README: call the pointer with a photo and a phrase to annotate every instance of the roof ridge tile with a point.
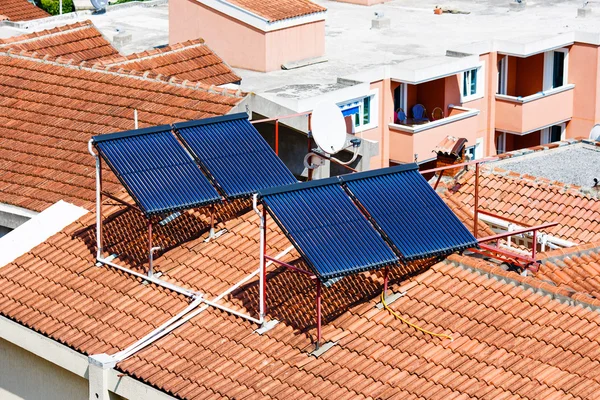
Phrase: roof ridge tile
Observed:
(99, 67)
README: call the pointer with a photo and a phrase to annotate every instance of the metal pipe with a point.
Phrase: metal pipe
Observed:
(277, 136)
(507, 253)
(293, 268)
(282, 117)
(476, 211)
(98, 200)
(489, 214)
(534, 245)
(211, 234)
(150, 257)
(159, 282)
(517, 232)
(262, 268)
(318, 301)
(438, 180)
(230, 311)
(151, 269)
(385, 281)
(135, 118)
(481, 160)
(118, 200)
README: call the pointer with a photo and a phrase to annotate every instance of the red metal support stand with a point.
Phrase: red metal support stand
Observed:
(318, 301)
(476, 210)
(534, 245)
(386, 276)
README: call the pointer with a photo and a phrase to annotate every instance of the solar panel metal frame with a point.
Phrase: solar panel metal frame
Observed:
(352, 179)
(327, 277)
(218, 175)
(99, 141)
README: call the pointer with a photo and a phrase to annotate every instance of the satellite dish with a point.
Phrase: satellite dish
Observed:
(328, 127)
(595, 133)
(99, 4)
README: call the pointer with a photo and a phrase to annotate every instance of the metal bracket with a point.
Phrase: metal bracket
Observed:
(109, 258)
(214, 235)
(322, 349)
(390, 299)
(266, 326)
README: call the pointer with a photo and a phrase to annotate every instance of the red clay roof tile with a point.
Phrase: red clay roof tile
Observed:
(192, 61)
(43, 146)
(21, 10)
(78, 42)
(277, 10)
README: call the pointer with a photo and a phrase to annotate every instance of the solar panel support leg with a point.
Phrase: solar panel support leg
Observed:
(262, 275)
(99, 244)
(386, 275)
(212, 223)
(318, 315)
(150, 250)
(476, 210)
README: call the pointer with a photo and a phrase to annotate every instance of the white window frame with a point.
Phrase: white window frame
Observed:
(549, 68)
(476, 150)
(546, 132)
(503, 76)
(501, 143)
(374, 112)
(480, 85)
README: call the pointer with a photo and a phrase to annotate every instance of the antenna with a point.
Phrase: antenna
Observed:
(595, 133)
(99, 5)
(328, 127)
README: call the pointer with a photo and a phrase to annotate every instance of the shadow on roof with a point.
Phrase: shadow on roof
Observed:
(126, 230)
(291, 296)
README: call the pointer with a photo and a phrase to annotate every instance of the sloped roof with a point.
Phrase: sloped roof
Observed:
(533, 201)
(514, 337)
(49, 109)
(277, 10)
(191, 60)
(450, 145)
(574, 268)
(21, 10)
(80, 41)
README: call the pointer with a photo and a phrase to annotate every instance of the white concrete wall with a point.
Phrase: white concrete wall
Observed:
(23, 375)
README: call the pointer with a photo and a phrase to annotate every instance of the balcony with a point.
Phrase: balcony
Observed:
(420, 139)
(522, 115)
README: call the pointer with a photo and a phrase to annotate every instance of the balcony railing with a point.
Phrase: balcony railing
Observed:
(408, 140)
(523, 115)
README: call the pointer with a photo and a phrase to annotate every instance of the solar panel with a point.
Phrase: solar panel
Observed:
(156, 170)
(327, 228)
(406, 209)
(234, 154)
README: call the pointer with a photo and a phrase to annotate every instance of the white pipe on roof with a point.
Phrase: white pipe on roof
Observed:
(548, 239)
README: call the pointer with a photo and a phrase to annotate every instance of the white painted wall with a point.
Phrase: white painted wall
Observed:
(25, 376)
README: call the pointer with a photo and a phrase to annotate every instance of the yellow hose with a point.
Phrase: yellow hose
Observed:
(442, 335)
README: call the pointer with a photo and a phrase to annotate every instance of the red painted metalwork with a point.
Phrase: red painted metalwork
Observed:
(438, 180)
(534, 245)
(318, 301)
(293, 268)
(476, 208)
(386, 275)
(474, 162)
(508, 253)
(512, 221)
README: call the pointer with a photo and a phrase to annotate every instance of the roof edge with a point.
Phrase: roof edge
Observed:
(536, 285)
(379, 172)
(131, 133)
(211, 120)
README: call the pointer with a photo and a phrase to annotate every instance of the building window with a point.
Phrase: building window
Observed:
(501, 143)
(362, 111)
(472, 84)
(556, 68)
(555, 133)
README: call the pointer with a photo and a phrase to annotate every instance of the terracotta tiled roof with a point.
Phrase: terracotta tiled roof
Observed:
(514, 337)
(574, 268)
(21, 10)
(450, 145)
(277, 10)
(533, 201)
(80, 41)
(191, 60)
(49, 110)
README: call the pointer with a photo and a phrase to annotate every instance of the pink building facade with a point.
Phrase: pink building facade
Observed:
(244, 38)
(500, 96)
